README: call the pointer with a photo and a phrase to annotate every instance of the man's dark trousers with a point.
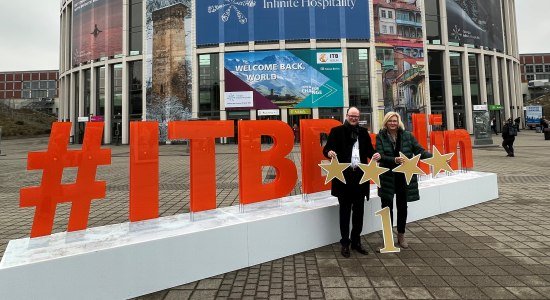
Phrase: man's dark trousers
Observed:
(353, 206)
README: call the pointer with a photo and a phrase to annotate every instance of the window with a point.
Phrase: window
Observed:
(437, 83)
(358, 79)
(530, 77)
(474, 79)
(529, 69)
(384, 29)
(135, 84)
(383, 13)
(209, 86)
(390, 14)
(457, 89)
(489, 80)
(539, 69)
(100, 91)
(136, 39)
(391, 30)
(546, 68)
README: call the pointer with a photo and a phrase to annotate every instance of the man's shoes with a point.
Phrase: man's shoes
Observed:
(345, 251)
(359, 248)
(509, 155)
(401, 241)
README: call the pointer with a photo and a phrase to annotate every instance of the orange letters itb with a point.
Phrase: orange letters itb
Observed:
(203, 159)
(252, 159)
(144, 171)
(312, 153)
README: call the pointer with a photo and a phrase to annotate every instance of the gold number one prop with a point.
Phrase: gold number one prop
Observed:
(389, 246)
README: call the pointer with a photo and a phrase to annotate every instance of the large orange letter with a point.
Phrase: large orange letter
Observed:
(252, 159)
(312, 153)
(203, 157)
(455, 138)
(144, 171)
(420, 132)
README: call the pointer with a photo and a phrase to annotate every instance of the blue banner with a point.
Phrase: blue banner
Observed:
(231, 21)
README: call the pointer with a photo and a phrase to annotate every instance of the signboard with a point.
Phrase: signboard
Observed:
(83, 119)
(475, 22)
(299, 111)
(289, 78)
(268, 112)
(229, 21)
(96, 118)
(495, 107)
(238, 99)
(97, 29)
(400, 53)
(533, 115)
(480, 107)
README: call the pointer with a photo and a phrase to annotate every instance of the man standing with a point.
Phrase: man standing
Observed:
(509, 133)
(351, 143)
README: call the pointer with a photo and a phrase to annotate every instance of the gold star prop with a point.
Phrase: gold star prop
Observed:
(409, 167)
(439, 161)
(335, 170)
(372, 172)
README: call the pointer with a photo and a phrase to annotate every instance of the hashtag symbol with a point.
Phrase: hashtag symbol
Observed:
(51, 191)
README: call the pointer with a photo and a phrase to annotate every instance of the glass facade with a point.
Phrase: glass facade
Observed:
(437, 83)
(136, 91)
(433, 26)
(135, 27)
(474, 79)
(458, 89)
(87, 92)
(489, 81)
(116, 92)
(209, 86)
(358, 79)
(100, 91)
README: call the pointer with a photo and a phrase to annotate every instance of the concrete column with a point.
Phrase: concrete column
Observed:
(345, 77)
(107, 136)
(315, 113)
(443, 20)
(467, 92)
(80, 93)
(72, 110)
(125, 104)
(448, 91)
(377, 109)
(505, 89)
(284, 115)
(513, 94)
(252, 114)
(222, 81)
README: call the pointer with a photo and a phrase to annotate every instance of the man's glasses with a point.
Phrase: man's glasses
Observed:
(353, 117)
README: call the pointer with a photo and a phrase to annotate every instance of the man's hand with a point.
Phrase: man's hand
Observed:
(376, 157)
(331, 154)
(399, 160)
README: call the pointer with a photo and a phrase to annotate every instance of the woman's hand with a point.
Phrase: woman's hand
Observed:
(331, 154)
(399, 160)
(376, 157)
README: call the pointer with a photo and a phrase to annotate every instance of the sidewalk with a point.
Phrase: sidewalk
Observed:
(499, 249)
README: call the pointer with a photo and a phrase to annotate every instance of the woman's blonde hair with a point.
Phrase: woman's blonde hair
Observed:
(388, 116)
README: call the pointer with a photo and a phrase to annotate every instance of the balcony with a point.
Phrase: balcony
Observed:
(408, 23)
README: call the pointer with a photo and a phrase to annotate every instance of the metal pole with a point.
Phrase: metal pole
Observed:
(1, 142)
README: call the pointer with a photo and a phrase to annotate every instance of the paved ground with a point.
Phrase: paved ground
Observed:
(499, 249)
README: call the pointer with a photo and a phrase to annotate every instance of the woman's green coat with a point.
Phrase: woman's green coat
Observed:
(410, 147)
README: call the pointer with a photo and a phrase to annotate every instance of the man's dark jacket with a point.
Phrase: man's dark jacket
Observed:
(340, 140)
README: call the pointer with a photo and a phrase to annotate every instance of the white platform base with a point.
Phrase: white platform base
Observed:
(132, 259)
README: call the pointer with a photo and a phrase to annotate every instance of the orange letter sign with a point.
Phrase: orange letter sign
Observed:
(203, 157)
(312, 153)
(144, 171)
(252, 159)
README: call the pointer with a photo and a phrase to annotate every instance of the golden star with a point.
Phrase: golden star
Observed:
(335, 170)
(409, 167)
(439, 161)
(372, 172)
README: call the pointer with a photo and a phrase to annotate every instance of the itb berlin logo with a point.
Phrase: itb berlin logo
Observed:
(232, 5)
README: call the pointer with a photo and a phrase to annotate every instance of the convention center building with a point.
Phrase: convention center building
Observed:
(137, 60)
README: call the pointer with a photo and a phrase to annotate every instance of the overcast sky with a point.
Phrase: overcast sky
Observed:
(29, 32)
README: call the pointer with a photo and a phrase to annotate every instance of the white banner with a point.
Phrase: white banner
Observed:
(239, 99)
(268, 112)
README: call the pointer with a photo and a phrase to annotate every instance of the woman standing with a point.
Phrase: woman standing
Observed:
(391, 140)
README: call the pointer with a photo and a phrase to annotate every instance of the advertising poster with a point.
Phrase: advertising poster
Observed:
(475, 22)
(400, 57)
(168, 61)
(230, 21)
(283, 79)
(97, 29)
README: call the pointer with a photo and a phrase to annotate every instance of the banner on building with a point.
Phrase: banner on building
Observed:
(97, 29)
(291, 78)
(400, 57)
(229, 21)
(168, 72)
(475, 22)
